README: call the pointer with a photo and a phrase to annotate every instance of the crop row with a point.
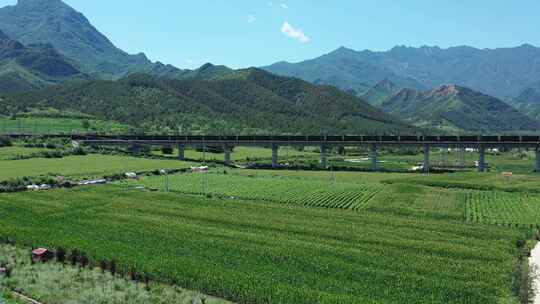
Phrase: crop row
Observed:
(270, 253)
(503, 208)
(283, 190)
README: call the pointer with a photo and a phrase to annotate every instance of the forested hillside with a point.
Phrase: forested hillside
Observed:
(455, 108)
(248, 101)
(33, 66)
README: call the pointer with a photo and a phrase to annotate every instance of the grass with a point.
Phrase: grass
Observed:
(246, 155)
(422, 201)
(63, 284)
(46, 125)
(88, 166)
(276, 253)
(7, 153)
(328, 176)
(477, 181)
(303, 192)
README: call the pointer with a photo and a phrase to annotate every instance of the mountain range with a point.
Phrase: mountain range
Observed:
(68, 31)
(452, 108)
(47, 45)
(503, 72)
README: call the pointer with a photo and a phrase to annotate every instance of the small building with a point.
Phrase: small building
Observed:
(42, 255)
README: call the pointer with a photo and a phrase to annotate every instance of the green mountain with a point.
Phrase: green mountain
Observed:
(54, 22)
(503, 72)
(452, 107)
(381, 92)
(343, 69)
(33, 66)
(528, 101)
(253, 101)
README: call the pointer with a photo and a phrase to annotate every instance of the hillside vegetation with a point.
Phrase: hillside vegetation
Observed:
(33, 66)
(457, 108)
(247, 101)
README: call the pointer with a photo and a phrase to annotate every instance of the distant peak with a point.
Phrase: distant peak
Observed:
(343, 49)
(206, 66)
(527, 46)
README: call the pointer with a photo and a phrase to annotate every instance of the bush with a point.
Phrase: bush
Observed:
(167, 150)
(60, 255)
(5, 141)
(79, 151)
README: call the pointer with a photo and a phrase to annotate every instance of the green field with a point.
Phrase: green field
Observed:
(503, 208)
(328, 176)
(272, 189)
(246, 155)
(273, 253)
(261, 236)
(478, 181)
(46, 125)
(7, 153)
(88, 166)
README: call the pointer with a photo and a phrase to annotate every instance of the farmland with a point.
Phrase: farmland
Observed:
(7, 153)
(477, 181)
(284, 236)
(502, 208)
(308, 193)
(64, 283)
(237, 249)
(87, 166)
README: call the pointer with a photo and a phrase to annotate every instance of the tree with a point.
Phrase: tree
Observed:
(86, 124)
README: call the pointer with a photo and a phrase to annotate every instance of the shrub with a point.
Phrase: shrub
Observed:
(60, 254)
(5, 141)
(74, 257)
(167, 150)
(79, 151)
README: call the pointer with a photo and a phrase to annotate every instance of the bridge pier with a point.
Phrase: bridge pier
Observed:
(324, 161)
(461, 157)
(537, 151)
(427, 164)
(482, 159)
(275, 149)
(227, 159)
(374, 157)
(181, 152)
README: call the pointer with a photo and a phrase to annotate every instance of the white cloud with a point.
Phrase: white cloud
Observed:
(294, 33)
(251, 19)
(190, 61)
(284, 6)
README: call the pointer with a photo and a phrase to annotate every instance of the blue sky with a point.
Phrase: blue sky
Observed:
(242, 33)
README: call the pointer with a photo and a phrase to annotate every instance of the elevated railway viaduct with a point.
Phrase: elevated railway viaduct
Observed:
(374, 142)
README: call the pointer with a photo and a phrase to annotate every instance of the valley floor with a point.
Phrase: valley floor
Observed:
(263, 236)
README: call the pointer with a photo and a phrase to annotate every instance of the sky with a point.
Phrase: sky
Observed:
(244, 33)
